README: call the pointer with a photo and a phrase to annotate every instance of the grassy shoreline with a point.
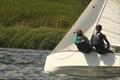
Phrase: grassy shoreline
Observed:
(37, 24)
(31, 38)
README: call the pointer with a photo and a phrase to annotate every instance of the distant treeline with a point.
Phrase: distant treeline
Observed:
(37, 24)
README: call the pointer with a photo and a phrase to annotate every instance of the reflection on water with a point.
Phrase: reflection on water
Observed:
(22, 64)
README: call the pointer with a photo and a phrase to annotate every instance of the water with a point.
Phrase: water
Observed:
(27, 64)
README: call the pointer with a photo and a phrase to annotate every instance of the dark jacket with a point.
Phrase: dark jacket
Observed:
(100, 42)
(83, 44)
(99, 39)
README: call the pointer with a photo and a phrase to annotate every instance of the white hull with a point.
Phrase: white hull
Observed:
(79, 64)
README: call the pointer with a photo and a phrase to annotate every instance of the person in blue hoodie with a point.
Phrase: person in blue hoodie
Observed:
(82, 42)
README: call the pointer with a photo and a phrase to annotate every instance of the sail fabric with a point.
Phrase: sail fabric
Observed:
(85, 21)
(94, 14)
(110, 20)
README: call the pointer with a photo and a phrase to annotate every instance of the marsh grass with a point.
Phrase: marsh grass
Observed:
(37, 13)
(37, 24)
(35, 38)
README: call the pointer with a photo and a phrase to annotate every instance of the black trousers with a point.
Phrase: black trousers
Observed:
(84, 47)
(102, 50)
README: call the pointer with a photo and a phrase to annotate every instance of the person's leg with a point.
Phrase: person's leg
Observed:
(108, 50)
(88, 48)
(80, 47)
(100, 49)
(84, 48)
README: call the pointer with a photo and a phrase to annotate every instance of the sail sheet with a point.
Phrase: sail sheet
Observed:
(98, 11)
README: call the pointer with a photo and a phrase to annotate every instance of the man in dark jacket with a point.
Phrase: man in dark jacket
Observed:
(100, 41)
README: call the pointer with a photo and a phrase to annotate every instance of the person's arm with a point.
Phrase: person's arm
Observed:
(75, 40)
(106, 40)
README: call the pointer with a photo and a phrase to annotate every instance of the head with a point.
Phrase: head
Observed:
(79, 32)
(98, 28)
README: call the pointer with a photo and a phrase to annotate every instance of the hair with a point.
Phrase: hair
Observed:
(80, 32)
(99, 27)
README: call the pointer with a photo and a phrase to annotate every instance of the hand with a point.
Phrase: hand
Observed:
(107, 46)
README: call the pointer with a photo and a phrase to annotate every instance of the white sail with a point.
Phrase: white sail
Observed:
(110, 20)
(65, 58)
(87, 20)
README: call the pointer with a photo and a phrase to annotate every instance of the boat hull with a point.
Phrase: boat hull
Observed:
(78, 64)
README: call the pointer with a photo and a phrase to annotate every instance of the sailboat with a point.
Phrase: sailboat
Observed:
(66, 59)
